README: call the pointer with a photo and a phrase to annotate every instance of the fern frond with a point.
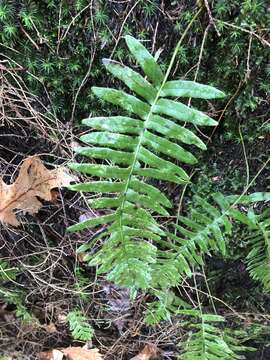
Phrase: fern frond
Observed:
(16, 297)
(204, 231)
(258, 259)
(166, 303)
(137, 147)
(79, 326)
(207, 341)
(198, 234)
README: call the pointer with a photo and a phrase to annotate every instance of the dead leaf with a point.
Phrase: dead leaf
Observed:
(119, 305)
(34, 180)
(71, 353)
(57, 355)
(148, 352)
(50, 328)
(45, 355)
(78, 353)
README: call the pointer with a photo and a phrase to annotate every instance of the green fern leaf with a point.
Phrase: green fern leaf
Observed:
(79, 326)
(206, 341)
(258, 259)
(137, 147)
(204, 231)
(166, 304)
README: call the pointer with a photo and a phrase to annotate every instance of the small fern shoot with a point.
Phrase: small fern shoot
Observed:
(79, 326)
(137, 147)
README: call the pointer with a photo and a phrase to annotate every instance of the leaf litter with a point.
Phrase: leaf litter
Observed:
(71, 353)
(34, 182)
(149, 352)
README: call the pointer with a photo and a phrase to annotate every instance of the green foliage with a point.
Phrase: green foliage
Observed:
(205, 231)
(7, 272)
(167, 303)
(138, 148)
(258, 259)
(237, 60)
(79, 326)
(16, 297)
(224, 57)
(207, 341)
(13, 295)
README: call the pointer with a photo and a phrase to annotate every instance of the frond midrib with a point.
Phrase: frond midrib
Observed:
(136, 153)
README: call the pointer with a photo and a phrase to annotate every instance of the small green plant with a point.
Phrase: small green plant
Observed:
(79, 326)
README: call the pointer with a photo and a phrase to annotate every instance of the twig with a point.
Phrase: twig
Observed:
(59, 28)
(245, 155)
(29, 37)
(211, 19)
(155, 36)
(247, 76)
(226, 107)
(122, 27)
(82, 84)
(262, 40)
(73, 21)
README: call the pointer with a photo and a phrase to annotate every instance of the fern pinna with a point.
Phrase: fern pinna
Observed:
(135, 150)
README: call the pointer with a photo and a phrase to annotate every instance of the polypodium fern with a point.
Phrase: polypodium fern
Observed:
(258, 259)
(258, 240)
(207, 341)
(136, 150)
(167, 303)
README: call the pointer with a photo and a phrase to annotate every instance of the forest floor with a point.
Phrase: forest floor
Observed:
(46, 255)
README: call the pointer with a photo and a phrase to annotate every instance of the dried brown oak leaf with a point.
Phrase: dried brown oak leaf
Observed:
(34, 181)
(71, 353)
(148, 352)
